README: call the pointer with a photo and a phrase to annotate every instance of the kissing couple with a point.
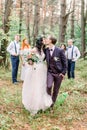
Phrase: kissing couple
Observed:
(43, 78)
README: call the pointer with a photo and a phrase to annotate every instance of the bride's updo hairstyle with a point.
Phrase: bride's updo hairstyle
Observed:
(39, 44)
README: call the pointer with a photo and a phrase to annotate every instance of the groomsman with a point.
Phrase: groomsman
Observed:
(73, 54)
(14, 50)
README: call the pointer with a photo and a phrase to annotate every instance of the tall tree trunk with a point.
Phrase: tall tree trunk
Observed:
(20, 22)
(72, 20)
(62, 24)
(51, 17)
(36, 20)
(82, 28)
(44, 8)
(28, 23)
(6, 27)
(1, 7)
(29, 15)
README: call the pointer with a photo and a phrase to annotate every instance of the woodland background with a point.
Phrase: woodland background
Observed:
(30, 18)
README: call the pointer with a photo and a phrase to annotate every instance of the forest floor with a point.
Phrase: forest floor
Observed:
(69, 113)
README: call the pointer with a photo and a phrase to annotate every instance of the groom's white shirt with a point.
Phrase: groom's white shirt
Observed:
(53, 48)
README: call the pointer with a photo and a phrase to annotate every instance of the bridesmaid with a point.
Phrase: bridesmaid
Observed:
(63, 46)
(25, 49)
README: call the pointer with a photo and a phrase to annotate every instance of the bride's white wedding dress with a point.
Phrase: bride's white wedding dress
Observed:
(34, 95)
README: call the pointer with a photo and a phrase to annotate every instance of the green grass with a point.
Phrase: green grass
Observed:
(70, 107)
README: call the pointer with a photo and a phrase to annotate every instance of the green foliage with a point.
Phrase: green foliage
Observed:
(2, 37)
(77, 34)
(1, 57)
(71, 102)
(14, 26)
(82, 64)
(69, 107)
(61, 98)
(5, 122)
(5, 74)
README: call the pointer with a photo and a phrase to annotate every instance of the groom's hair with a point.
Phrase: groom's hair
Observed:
(53, 39)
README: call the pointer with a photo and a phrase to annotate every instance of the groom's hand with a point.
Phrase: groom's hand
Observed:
(62, 75)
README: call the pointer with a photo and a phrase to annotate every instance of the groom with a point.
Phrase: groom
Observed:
(56, 63)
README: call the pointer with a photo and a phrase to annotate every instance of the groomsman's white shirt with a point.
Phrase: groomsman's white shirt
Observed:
(76, 53)
(11, 48)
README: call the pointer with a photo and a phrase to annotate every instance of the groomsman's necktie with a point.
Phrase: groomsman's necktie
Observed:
(71, 52)
(15, 47)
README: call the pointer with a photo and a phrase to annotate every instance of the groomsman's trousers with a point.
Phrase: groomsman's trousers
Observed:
(71, 69)
(15, 64)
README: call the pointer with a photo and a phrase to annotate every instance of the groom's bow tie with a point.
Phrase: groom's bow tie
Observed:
(51, 49)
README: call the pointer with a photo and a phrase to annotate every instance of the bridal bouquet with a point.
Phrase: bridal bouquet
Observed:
(32, 58)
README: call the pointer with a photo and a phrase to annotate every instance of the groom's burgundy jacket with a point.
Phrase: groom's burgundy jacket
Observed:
(59, 60)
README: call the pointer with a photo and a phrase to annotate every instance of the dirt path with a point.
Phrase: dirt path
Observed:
(80, 124)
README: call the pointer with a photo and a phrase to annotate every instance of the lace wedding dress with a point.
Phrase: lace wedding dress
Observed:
(34, 95)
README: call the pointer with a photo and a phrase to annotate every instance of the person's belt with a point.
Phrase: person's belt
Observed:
(14, 56)
(69, 59)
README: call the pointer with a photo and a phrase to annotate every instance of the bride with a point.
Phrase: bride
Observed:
(34, 95)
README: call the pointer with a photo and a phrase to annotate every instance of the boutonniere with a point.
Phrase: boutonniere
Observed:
(56, 58)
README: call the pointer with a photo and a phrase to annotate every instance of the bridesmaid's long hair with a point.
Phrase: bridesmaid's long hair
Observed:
(24, 44)
(39, 44)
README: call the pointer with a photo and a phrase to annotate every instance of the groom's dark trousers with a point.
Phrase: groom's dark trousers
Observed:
(56, 79)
